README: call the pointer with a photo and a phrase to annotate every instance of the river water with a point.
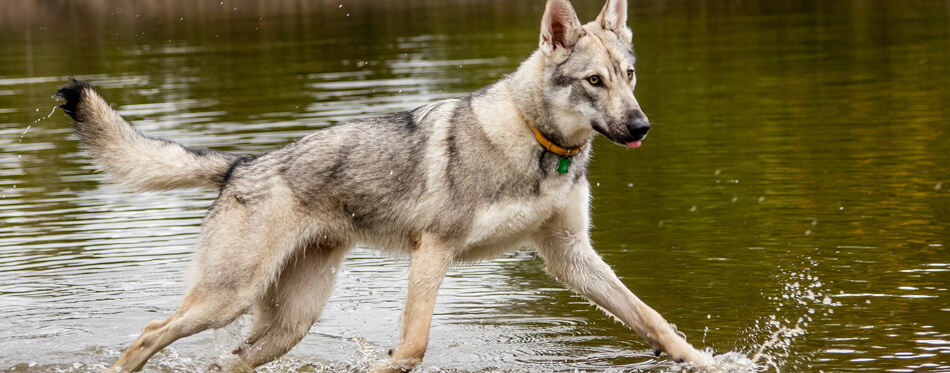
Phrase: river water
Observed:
(791, 206)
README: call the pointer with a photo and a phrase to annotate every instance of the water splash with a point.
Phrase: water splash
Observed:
(802, 297)
(228, 338)
(736, 362)
(37, 121)
(367, 357)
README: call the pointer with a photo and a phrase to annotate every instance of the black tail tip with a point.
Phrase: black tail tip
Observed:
(72, 93)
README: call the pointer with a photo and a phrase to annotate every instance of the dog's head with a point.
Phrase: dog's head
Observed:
(589, 74)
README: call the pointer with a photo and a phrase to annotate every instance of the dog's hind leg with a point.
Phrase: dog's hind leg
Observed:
(292, 304)
(237, 258)
(199, 311)
(428, 263)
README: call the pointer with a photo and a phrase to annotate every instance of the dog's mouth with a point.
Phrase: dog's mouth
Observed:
(628, 141)
(633, 138)
(631, 142)
(637, 139)
(637, 134)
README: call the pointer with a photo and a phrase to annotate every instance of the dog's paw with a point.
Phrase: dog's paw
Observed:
(674, 344)
(693, 357)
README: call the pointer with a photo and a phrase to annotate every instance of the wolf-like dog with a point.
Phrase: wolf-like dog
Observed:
(454, 181)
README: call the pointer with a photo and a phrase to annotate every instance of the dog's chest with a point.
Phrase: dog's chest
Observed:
(511, 218)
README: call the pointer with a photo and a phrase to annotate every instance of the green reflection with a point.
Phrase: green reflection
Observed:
(793, 139)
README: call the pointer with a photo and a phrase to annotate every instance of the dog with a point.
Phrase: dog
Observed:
(457, 180)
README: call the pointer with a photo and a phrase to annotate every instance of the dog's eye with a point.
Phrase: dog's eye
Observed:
(594, 80)
(630, 74)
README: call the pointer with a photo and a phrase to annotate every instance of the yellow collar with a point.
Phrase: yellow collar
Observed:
(550, 146)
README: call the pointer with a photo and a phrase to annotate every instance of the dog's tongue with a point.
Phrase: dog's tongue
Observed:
(633, 144)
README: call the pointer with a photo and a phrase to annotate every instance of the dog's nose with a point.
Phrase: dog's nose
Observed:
(638, 124)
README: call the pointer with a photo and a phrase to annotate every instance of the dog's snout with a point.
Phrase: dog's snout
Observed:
(638, 124)
(639, 133)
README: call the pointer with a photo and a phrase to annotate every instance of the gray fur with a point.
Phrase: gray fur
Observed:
(456, 180)
(134, 160)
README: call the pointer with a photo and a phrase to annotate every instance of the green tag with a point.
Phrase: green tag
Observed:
(563, 165)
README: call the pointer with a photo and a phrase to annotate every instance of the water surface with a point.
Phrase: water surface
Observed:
(792, 199)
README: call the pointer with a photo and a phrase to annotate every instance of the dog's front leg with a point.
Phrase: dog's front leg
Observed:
(430, 259)
(564, 243)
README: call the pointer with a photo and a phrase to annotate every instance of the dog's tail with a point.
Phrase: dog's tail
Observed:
(136, 161)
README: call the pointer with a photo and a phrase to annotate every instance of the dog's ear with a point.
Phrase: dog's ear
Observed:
(560, 27)
(614, 18)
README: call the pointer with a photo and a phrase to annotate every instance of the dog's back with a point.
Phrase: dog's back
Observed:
(456, 180)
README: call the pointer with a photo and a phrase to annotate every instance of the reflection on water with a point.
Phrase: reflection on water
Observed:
(789, 211)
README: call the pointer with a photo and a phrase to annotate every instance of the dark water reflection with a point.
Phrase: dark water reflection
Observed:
(795, 189)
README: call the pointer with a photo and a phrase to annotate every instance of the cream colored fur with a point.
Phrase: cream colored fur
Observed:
(284, 220)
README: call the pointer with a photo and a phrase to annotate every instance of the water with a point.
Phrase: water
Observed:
(791, 205)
